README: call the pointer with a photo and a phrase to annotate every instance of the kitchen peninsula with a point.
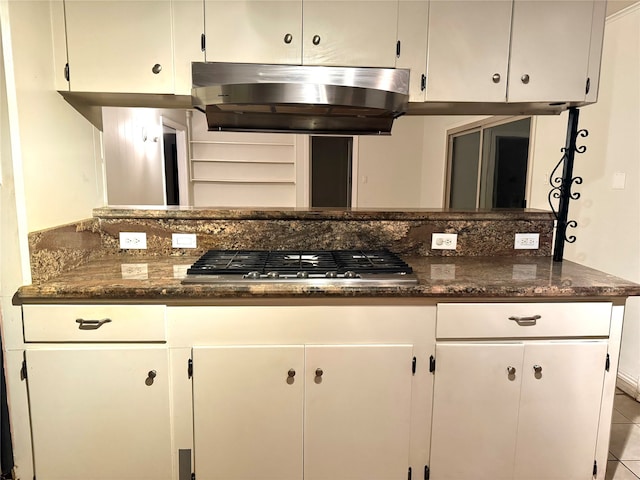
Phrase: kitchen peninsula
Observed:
(292, 381)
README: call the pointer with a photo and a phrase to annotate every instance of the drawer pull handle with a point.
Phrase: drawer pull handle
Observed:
(526, 321)
(91, 324)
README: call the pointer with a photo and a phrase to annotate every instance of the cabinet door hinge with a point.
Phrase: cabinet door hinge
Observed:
(409, 474)
(413, 365)
(607, 363)
(23, 370)
(203, 42)
(190, 368)
(432, 364)
(423, 82)
(427, 472)
(398, 49)
(66, 72)
(588, 87)
(595, 468)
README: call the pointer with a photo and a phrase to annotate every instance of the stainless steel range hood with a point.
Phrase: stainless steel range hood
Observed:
(299, 99)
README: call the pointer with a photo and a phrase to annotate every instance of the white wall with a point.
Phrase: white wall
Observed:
(60, 150)
(608, 233)
(389, 166)
(134, 164)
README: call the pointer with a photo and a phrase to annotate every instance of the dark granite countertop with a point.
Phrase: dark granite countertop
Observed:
(194, 213)
(126, 278)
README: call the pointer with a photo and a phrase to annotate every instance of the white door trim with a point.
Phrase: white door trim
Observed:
(184, 182)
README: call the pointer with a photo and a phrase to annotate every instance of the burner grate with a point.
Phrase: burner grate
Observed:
(370, 261)
(292, 261)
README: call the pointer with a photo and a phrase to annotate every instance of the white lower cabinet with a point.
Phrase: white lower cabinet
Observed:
(314, 412)
(515, 391)
(100, 413)
(517, 409)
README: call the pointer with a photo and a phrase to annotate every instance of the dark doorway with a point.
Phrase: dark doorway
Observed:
(331, 159)
(510, 172)
(171, 166)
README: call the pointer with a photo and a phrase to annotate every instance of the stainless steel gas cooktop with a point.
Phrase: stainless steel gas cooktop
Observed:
(309, 267)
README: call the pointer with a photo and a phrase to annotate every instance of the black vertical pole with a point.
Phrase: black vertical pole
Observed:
(567, 181)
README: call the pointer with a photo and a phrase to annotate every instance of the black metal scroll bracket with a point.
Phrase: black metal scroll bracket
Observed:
(561, 186)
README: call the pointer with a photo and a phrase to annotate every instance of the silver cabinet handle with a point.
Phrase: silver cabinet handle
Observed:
(537, 369)
(91, 324)
(319, 372)
(511, 370)
(496, 78)
(316, 40)
(157, 68)
(525, 78)
(288, 38)
(526, 321)
(291, 373)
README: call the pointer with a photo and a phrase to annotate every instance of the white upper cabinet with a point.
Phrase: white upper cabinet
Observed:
(413, 17)
(120, 46)
(468, 51)
(254, 31)
(550, 48)
(311, 32)
(520, 51)
(350, 32)
(137, 46)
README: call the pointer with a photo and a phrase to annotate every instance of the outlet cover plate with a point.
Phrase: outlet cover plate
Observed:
(444, 241)
(133, 240)
(183, 240)
(527, 241)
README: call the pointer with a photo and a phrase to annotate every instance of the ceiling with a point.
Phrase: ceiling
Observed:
(614, 6)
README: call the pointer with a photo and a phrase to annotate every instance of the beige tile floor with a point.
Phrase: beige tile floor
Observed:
(624, 449)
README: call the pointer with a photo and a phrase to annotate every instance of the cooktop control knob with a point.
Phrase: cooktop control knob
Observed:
(273, 274)
(302, 274)
(331, 274)
(350, 274)
(253, 275)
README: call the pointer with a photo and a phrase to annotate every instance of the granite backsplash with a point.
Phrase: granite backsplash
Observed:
(482, 233)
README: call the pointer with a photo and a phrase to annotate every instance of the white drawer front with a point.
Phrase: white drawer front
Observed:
(523, 320)
(94, 323)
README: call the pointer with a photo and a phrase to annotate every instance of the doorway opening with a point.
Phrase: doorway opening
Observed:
(488, 165)
(175, 162)
(170, 153)
(331, 171)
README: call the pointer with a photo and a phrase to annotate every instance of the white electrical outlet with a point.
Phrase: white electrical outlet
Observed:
(183, 240)
(527, 241)
(444, 241)
(133, 240)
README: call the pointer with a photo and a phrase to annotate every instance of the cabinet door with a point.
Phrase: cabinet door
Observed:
(114, 46)
(357, 412)
(550, 47)
(559, 410)
(468, 50)
(350, 32)
(247, 412)
(475, 411)
(98, 414)
(254, 31)
(412, 33)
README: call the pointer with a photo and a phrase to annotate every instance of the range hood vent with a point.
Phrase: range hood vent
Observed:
(299, 99)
